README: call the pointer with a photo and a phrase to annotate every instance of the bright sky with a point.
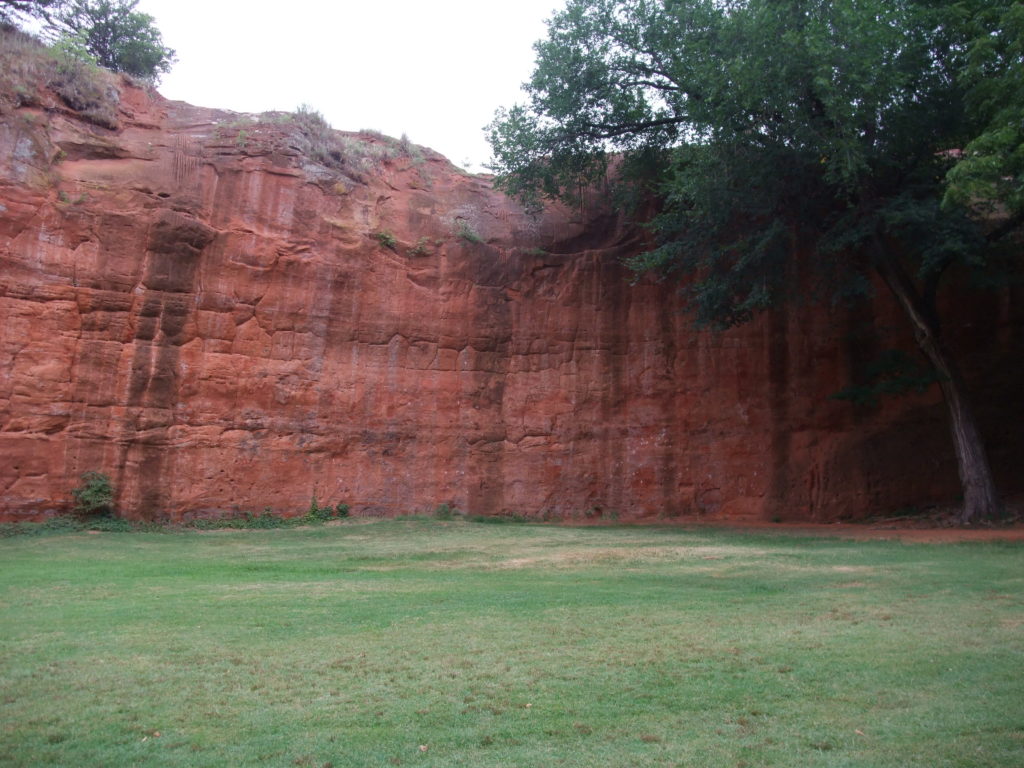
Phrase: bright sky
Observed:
(435, 71)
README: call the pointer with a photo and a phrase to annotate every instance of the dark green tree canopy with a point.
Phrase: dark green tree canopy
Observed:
(990, 172)
(118, 36)
(813, 119)
(770, 128)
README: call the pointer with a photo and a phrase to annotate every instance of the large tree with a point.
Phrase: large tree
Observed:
(119, 37)
(779, 136)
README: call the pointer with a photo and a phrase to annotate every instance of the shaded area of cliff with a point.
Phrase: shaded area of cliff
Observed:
(223, 312)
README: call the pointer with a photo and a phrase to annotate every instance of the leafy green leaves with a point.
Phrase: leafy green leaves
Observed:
(804, 126)
(893, 372)
(990, 172)
(95, 495)
(118, 36)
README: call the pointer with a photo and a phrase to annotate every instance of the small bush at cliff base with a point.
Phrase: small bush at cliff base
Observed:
(445, 511)
(109, 523)
(114, 524)
(321, 514)
(56, 524)
(264, 520)
(501, 519)
(316, 513)
(95, 496)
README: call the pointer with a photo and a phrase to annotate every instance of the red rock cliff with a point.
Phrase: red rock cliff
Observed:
(193, 304)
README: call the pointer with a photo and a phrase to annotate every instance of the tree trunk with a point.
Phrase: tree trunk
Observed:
(981, 500)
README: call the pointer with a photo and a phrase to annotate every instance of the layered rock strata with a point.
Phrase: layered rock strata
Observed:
(221, 317)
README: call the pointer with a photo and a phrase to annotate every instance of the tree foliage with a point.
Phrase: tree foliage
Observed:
(95, 495)
(111, 32)
(770, 128)
(990, 173)
(119, 37)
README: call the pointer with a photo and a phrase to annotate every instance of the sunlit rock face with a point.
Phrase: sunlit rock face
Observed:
(196, 305)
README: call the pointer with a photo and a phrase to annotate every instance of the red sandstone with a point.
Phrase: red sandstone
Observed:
(211, 320)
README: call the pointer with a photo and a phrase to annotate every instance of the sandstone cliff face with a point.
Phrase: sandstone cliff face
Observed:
(193, 305)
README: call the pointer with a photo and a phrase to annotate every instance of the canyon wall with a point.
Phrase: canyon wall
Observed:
(194, 304)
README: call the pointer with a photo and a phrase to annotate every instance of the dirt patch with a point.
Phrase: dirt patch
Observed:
(937, 524)
(624, 556)
(881, 530)
(939, 535)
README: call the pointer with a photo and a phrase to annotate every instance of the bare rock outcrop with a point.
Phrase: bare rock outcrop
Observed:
(222, 315)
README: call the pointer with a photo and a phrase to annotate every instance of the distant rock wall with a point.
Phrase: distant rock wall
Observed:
(193, 306)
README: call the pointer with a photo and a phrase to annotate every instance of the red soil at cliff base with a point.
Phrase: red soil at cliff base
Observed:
(901, 530)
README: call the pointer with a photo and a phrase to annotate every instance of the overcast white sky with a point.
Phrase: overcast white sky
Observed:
(433, 70)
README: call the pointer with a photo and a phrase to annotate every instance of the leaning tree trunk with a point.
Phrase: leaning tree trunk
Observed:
(981, 501)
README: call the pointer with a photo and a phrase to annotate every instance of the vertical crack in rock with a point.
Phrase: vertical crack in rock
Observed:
(185, 161)
(779, 383)
(175, 244)
(483, 402)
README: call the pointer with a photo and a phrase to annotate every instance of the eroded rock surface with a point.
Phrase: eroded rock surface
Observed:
(195, 305)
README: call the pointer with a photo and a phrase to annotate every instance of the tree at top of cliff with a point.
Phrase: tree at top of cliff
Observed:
(118, 36)
(770, 128)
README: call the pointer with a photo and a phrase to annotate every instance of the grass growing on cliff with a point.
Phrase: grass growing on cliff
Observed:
(429, 643)
(27, 65)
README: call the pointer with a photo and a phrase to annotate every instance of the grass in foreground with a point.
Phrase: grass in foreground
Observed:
(425, 643)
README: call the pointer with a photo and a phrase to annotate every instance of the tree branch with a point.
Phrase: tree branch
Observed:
(597, 131)
(1004, 229)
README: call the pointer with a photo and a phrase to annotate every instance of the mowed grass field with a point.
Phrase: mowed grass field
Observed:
(426, 643)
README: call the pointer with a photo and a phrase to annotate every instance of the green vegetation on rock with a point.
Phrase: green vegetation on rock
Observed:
(115, 34)
(95, 495)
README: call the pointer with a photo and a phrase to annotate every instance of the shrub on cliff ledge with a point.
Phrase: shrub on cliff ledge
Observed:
(386, 239)
(27, 66)
(80, 82)
(21, 62)
(465, 231)
(353, 155)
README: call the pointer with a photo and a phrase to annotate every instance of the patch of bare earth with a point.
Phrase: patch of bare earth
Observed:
(912, 530)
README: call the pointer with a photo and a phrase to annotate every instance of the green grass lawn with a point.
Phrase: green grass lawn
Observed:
(423, 643)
